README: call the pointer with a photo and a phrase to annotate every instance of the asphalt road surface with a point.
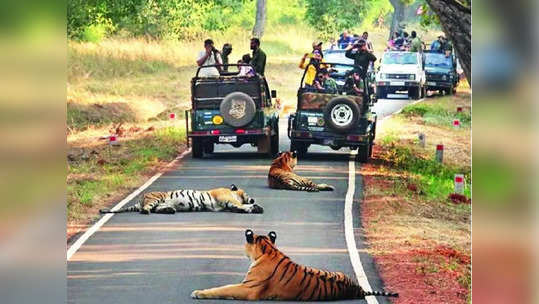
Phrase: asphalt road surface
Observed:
(158, 258)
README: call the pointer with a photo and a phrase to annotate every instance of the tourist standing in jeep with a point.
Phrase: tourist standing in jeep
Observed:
(210, 56)
(258, 60)
(361, 56)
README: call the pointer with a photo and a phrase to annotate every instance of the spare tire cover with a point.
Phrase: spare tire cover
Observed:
(238, 109)
(341, 114)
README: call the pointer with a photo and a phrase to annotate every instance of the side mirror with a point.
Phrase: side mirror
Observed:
(273, 94)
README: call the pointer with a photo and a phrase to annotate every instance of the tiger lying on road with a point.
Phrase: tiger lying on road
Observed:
(282, 176)
(220, 199)
(273, 276)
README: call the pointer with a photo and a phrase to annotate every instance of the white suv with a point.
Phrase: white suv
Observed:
(401, 71)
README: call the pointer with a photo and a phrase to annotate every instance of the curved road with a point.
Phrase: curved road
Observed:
(157, 259)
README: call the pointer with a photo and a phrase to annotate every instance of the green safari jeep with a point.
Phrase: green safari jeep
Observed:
(232, 109)
(334, 120)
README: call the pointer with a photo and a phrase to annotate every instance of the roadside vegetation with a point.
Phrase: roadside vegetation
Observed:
(416, 227)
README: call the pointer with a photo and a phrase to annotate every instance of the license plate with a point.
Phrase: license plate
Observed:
(431, 83)
(397, 83)
(327, 141)
(228, 139)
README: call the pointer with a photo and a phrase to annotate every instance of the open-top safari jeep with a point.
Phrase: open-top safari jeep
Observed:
(334, 120)
(232, 109)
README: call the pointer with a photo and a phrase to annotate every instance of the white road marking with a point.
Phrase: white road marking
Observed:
(83, 238)
(349, 230)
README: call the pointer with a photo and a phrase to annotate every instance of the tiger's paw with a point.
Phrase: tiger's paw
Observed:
(197, 294)
(325, 187)
(256, 209)
(144, 211)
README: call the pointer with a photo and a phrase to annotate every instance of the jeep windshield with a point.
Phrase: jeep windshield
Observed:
(337, 56)
(438, 60)
(399, 58)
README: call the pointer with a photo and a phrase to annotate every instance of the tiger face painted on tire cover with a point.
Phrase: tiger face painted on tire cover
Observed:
(282, 176)
(220, 199)
(274, 276)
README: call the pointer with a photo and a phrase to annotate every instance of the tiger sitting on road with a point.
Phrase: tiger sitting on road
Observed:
(220, 199)
(282, 176)
(273, 276)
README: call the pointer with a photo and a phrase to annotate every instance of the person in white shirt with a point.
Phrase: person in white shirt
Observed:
(210, 56)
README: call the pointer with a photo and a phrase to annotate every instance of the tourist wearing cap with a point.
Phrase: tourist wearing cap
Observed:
(317, 46)
(314, 65)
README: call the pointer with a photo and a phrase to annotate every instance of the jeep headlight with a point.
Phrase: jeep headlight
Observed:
(217, 119)
(444, 77)
(411, 76)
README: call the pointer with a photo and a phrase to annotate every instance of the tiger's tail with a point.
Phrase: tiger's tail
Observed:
(134, 208)
(380, 293)
(279, 183)
(325, 187)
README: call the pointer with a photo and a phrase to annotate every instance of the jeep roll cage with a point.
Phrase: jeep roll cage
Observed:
(363, 75)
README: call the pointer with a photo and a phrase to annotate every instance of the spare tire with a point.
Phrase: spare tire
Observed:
(238, 109)
(341, 114)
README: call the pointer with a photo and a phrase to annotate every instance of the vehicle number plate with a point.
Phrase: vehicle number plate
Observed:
(431, 83)
(228, 139)
(397, 83)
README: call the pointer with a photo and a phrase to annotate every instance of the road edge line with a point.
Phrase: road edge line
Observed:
(349, 230)
(89, 232)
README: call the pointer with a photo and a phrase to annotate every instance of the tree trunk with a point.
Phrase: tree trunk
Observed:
(456, 21)
(398, 16)
(260, 22)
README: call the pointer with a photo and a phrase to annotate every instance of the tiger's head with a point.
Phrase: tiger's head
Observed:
(286, 160)
(241, 195)
(258, 245)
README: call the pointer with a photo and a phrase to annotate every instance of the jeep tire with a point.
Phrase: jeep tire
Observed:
(241, 116)
(299, 147)
(341, 114)
(381, 93)
(274, 141)
(414, 92)
(197, 147)
(364, 153)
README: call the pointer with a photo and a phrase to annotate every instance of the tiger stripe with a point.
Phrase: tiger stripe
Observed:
(274, 276)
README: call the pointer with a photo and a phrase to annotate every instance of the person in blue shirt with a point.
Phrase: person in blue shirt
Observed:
(436, 45)
(344, 40)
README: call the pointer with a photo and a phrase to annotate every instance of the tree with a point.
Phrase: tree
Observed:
(456, 20)
(330, 17)
(258, 29)
(398, 16)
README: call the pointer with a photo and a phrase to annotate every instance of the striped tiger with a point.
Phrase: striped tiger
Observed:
(282, 176)
(273, 276)
(220, 199)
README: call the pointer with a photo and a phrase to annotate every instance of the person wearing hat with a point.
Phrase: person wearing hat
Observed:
(416, 45)
(314, 65)
(317, 46)
(436, 45)
(227, 49)
(362, 57)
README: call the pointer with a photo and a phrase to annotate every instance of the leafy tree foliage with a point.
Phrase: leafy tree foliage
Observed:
(180, 19)
(331, 17)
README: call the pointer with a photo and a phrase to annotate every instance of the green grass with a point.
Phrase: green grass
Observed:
(441, 113)
(433, 178)
(124, 168)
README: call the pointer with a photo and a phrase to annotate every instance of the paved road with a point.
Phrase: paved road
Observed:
(162, 258)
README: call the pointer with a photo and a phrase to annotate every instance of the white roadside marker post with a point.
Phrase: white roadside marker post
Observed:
(456, 123)
(439, 153)
(459, 183)
(421, 138)
(113, 141)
